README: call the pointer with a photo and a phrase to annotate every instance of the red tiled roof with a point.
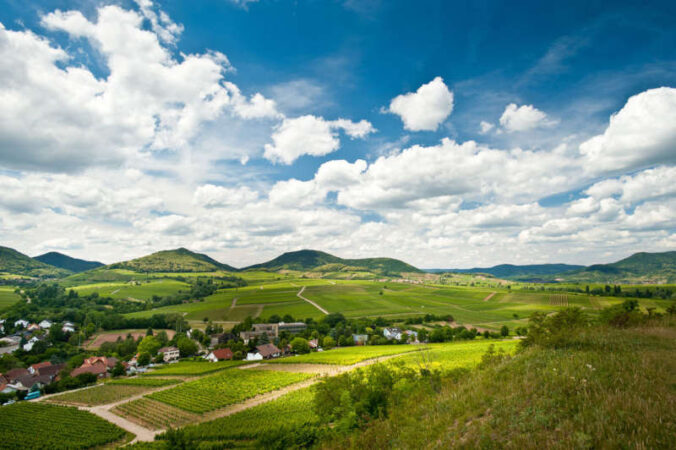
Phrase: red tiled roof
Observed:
(41, 365)
(223, 353)
(15, 373)
(267, 350)
(97, 369)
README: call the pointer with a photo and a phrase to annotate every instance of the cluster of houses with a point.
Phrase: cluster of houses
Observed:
(29, 332)
(36, 376)
(271, 330)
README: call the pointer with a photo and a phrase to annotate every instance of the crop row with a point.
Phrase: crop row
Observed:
(348, 355)
(225, 388)
(98, 395)
(153, 414)
(29, 425)
(193, 368)
(145, 381)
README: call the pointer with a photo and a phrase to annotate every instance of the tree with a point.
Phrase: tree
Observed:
(186, 346)
(118, 370)
(143, 359)
(149, 332)
(300, 345)
(149, 344)
(329, 342)
(504, 331)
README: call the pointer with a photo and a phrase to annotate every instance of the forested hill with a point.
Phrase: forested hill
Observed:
(16, 263)
(638, 268)
(314, 260)
(66, 262)
(179, 260)
(511, 271)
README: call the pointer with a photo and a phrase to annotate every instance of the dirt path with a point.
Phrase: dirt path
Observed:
(489, 296)
(234, 303)
(310, 301)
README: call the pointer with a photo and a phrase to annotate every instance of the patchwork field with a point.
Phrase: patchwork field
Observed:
(112, 336)
(37, 425)
(99, 395)
(225, 388)
(153, 414)
(141, 290)
(347, 355)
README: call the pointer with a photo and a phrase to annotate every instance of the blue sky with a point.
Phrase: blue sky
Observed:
(508, 155)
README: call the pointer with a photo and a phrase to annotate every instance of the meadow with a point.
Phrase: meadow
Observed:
(7, 297)
(345, 356)
(225, 388)
(38, 425)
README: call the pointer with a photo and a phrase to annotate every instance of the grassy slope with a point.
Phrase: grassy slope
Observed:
(7, 297)
(66, 262)
(14, 262)
(639, 267)
(608, 389)
(179, 260)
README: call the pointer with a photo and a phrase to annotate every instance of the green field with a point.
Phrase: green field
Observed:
(225, 388)
(453, 355)
(148, 382)
(347, 355)
(290, 410)
(99, 395)
(188, 368)
(7, 297)
(38, 425)
(153, 414)
(140, 290)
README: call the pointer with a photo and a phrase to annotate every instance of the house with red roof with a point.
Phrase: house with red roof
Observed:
(220, 354)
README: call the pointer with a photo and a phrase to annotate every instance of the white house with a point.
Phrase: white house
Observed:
(2, 326)
(45, 324)
(21, 323)
(254, 356)
(68, 327)
(392, 333)
(28, 346)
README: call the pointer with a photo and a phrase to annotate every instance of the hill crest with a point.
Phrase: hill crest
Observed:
(176, 260)
(66, 262)
(15, 262)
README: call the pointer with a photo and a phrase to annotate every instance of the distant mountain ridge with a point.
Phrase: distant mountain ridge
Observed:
(15, 262)
(178, 260)
(512, 271)
(66, 262)
(315, 260)
(640, 267)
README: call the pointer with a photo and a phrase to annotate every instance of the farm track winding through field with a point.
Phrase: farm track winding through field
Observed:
(300, 295)
(489, 296)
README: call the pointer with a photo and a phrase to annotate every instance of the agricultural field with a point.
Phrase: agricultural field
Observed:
(99, 395)
(153, 414)
(38, 425)
(346, 356)
(290, 410)
(453, 355)
(7, 297)
(145, 381)
(192, 368)
(112, 336)
(225, 388)
(139, 290)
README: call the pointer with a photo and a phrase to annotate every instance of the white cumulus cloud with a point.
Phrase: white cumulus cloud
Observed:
(426, 108)
(523, 118)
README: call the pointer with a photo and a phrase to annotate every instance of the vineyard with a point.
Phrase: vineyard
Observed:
(188, 368)
(452, 355)
(98, 395)
(290, 410)
(558, 300)
(154, 415)
(149, 382)
(226, 388)
(29, 425)
(347, 355)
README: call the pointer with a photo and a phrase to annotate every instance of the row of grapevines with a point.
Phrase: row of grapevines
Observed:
(151, 382)
(347, 355)
(193, 368)
(154, 415)
(98, 395)
(290, 410)
(223, 389)
(30, 425)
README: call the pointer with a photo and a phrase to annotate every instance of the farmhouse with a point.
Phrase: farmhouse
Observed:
(271, 329)
(35, 367)
(392, 333)
(220, 354)
(98, 365)
(313, 343)
(222, 338)
(360, 339)
(265, 351)
(170, 353)
(33, 327)
(21, 323)
(247, 336)
(45, 324)
(68, 327)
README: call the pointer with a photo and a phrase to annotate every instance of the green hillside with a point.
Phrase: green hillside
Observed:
(66, 262)
(14, 262)
(638, 268)
(314, 260)
(521, 272)
(179, 260)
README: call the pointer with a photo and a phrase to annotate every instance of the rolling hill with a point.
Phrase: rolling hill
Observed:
(638, 268)
(14, 262)
(178, 260)
(66, 262)
(314, 260)
(516, 272)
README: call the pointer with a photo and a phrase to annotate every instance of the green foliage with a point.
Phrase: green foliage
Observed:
(59, 427)
(149, 345)
(186, 346)
(66, 262)
(223, 389)
(556, 330)
(17, 263)
(329, 343)
(300, 345)
(347, 355)
(179, 260)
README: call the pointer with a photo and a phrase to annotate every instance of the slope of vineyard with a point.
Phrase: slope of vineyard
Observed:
(153, 414)
(37, 425)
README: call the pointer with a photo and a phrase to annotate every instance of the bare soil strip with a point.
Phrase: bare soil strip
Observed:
(489, 296)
